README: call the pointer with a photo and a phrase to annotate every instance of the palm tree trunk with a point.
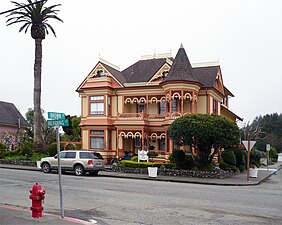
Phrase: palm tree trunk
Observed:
(37, 93)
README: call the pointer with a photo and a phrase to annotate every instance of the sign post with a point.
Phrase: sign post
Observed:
(57, 120)
(248, 145)
(267, 149)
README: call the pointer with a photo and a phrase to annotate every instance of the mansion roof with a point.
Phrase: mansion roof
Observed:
(162, 70)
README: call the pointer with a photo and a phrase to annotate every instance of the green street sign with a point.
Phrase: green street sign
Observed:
(54, 123)
(56, 116)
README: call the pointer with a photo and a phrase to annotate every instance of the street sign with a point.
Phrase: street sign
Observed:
(56, 116)
(268, 147)
(53, 123)
(252, 143)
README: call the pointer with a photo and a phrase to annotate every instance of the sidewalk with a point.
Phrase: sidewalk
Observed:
(10, 215)
(235, 180)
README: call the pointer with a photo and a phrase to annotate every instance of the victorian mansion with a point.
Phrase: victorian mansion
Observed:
(125, 111)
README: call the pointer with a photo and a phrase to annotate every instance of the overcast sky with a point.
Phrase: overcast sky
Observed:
(245, 36)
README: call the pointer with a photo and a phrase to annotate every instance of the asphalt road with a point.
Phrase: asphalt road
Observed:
(130, 202)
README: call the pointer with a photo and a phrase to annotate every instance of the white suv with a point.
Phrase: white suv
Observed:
(79, 161)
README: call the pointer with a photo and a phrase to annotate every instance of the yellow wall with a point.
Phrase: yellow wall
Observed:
(114, 105)
(85, 106)
(120, 104)
(202, 104)
(153, 108)
(85, 143)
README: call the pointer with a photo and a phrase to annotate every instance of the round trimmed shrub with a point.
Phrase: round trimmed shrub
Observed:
(229, 157)
(273, 154)
(70, 147)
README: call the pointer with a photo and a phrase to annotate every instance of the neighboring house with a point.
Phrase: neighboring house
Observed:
(125, 111)
(12, 123)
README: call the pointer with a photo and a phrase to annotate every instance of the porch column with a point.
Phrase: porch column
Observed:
(147, 104)
(117, 142)
(166, 139)
(170, 103)
(143, 141)
(193, 103)
(182, 105)
(170, 145)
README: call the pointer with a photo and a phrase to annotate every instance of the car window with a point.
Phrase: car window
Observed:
(85, 155)
(62, 155)
(70, 155)
(98, 155)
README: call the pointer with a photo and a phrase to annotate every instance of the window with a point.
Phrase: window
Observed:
(109, 106)
(97, 105)
(97, 139)
(100, 73)
(86, 155)
(62, 155)
(162, 144)
(162, 107)
(173, 105)
(214, 106)
(141, 108)
(138, 142)
(70, 155)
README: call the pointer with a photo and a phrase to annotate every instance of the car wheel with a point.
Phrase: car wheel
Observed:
(94, 173)
(78, 170)
(46, 168)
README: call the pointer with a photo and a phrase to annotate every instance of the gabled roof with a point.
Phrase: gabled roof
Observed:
(9, 115)
(206, 75)
(117, 74)
(181, 69)
(143, 70)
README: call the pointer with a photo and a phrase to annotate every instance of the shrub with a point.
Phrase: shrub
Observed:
(134, 158)
(3, 153)
(52, 150)
(255, 156)
(26, 148)
(2, 146)
(223, 165)
(132, 164)
(273, 154)
(228, 156)
(241, 158)
(70, 146)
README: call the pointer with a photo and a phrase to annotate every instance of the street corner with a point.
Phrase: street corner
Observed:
(16, 215)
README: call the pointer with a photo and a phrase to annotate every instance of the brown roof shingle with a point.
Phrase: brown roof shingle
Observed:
(143, 70)
(181, 69)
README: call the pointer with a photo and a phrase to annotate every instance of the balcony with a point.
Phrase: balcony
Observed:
(149, 117)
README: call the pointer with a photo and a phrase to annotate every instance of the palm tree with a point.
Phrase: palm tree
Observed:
(35, 15)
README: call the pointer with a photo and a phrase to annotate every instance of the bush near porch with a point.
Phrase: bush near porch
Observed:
(132, 164)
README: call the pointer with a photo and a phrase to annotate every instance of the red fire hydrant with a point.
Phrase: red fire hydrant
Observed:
(37, 195)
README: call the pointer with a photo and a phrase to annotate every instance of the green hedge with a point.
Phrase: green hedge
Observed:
(132, 164)
(273, 154)
(229, 157)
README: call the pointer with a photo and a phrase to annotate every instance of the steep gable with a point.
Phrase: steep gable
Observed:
(143, 70)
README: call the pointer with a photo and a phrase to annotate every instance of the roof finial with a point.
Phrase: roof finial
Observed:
(181, 46)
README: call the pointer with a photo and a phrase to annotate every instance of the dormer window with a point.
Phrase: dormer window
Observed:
(165, 73)
(100, 73)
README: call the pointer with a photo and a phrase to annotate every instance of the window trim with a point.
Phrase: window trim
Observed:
(97, 136)
(96, 101)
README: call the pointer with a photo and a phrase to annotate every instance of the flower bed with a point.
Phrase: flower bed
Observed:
(181, 173)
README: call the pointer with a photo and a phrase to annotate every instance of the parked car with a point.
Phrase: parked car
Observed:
(79, 161)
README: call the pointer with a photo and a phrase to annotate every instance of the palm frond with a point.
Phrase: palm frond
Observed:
(31, 14)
